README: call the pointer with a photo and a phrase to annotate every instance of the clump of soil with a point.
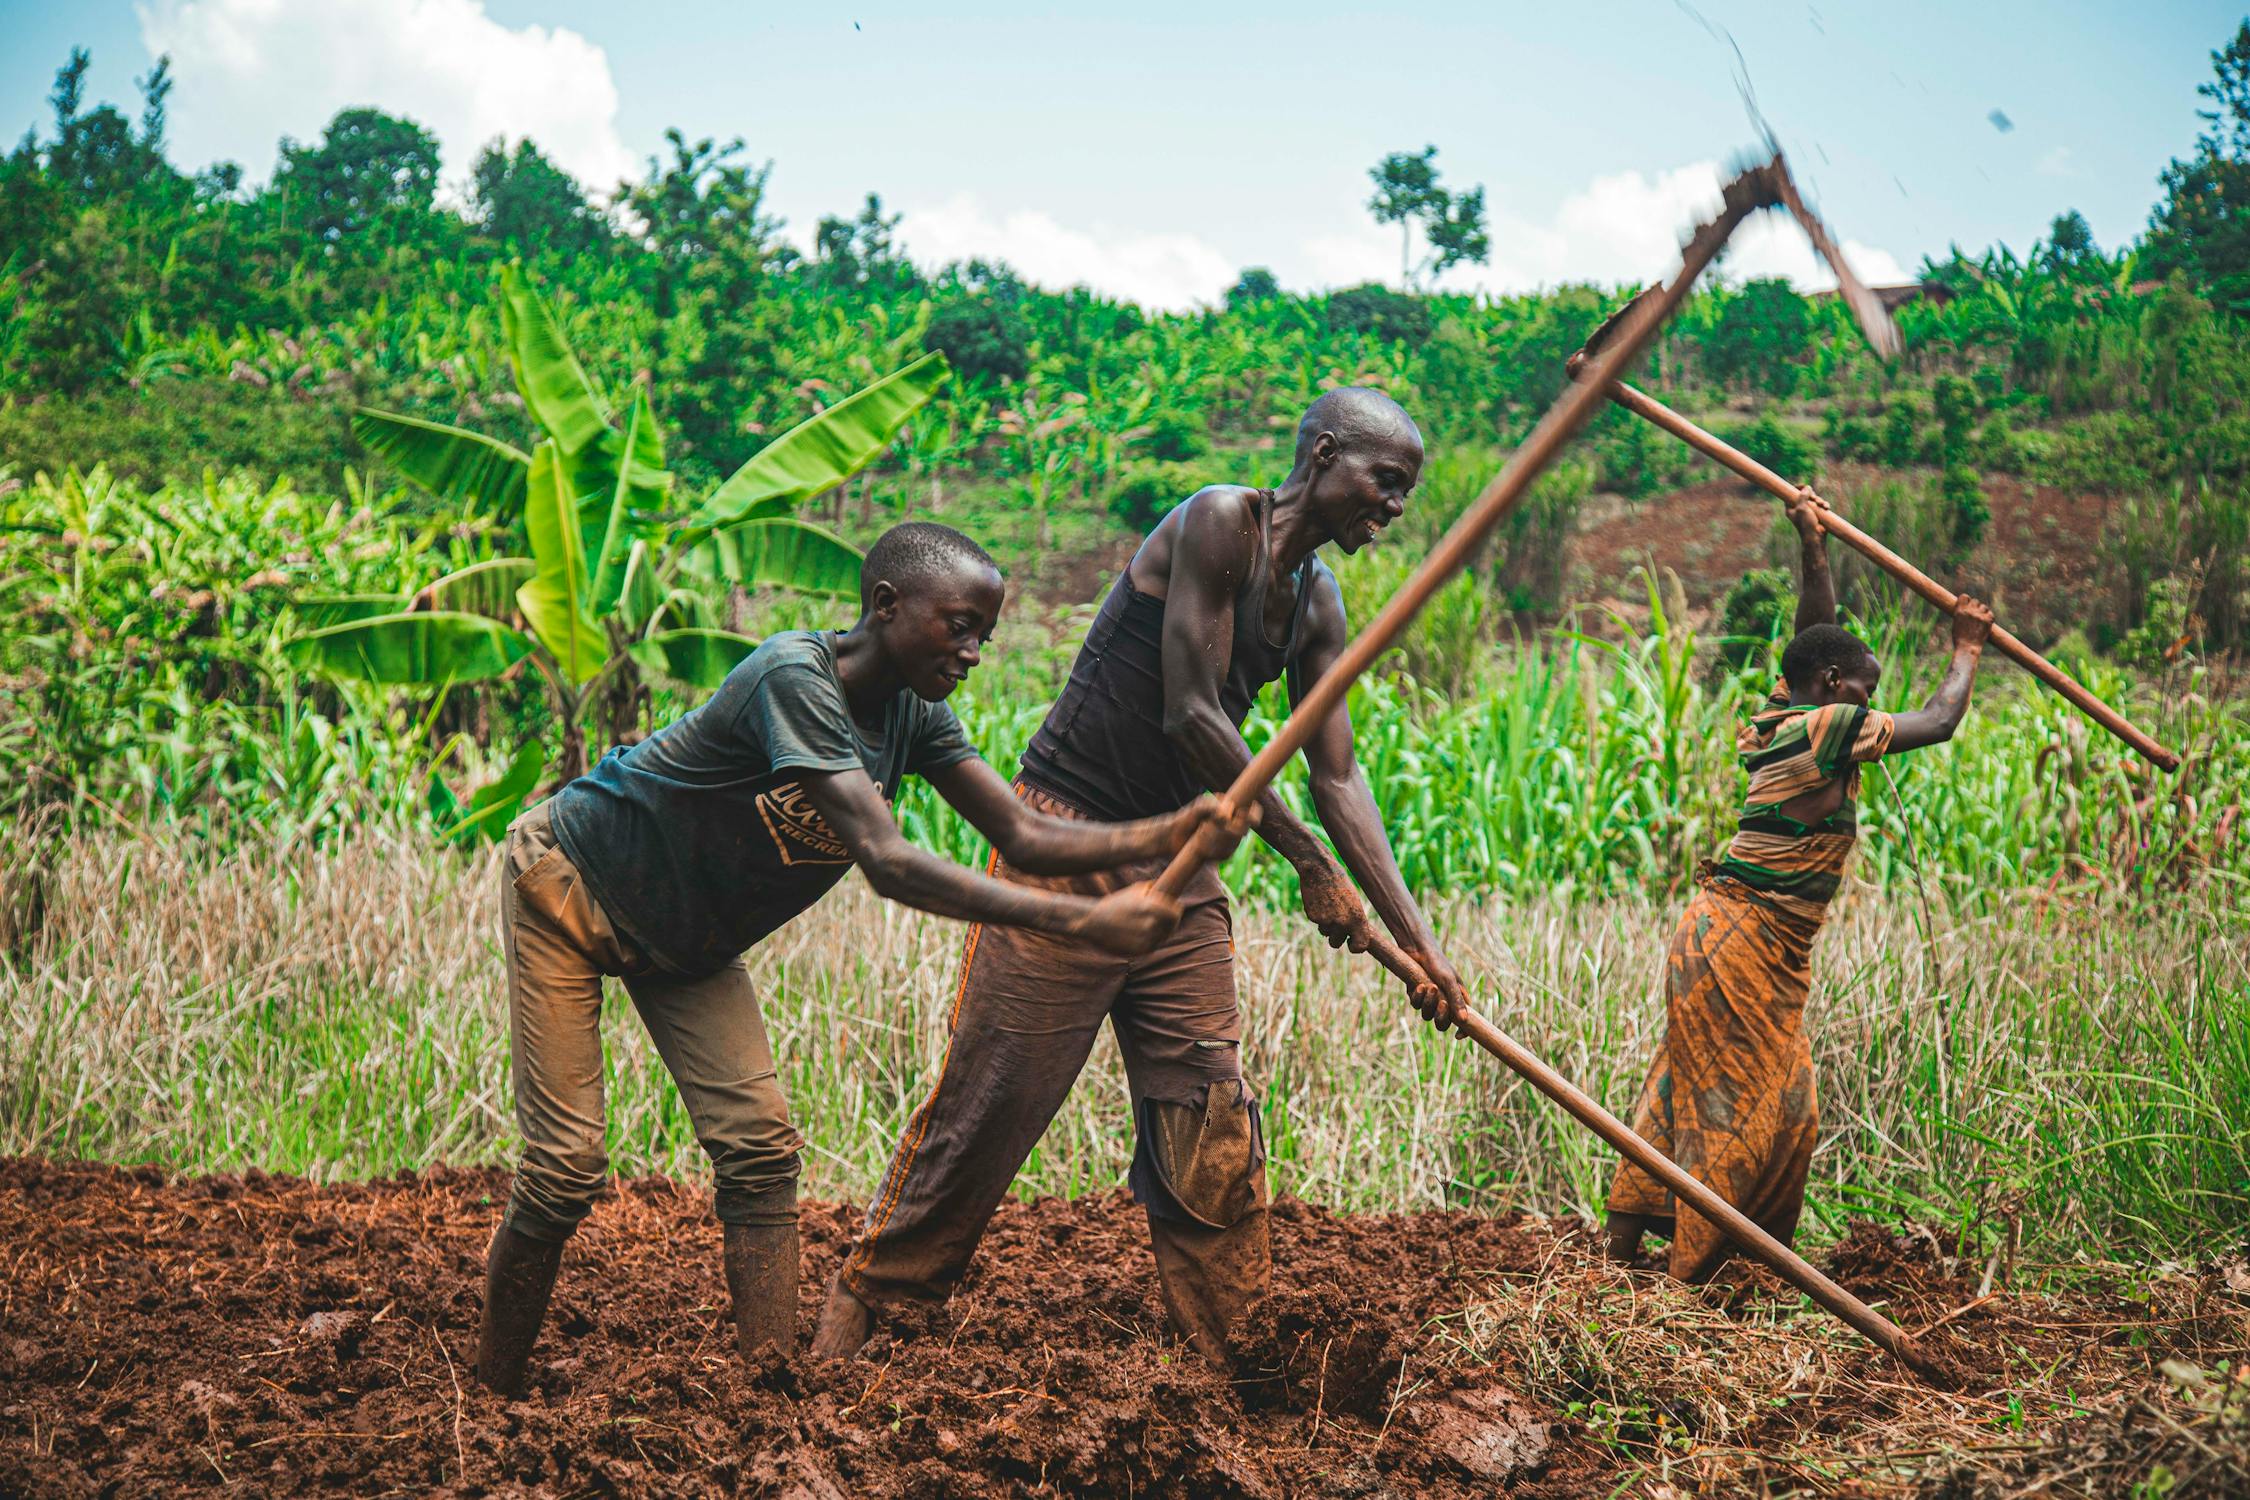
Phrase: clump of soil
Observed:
(263, 1335)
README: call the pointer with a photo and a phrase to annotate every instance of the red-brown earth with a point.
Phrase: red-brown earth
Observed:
(261, 1335)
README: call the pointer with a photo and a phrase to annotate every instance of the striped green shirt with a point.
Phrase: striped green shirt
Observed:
(1789, 751)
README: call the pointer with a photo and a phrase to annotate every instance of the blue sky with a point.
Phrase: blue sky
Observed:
(1156, 149)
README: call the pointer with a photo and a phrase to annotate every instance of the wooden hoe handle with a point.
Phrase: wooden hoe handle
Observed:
(1643, 405)
(1798, 1271)
(1753, 190)
(1761, 187)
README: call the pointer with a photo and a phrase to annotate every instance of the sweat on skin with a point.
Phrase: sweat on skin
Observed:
(671, 857)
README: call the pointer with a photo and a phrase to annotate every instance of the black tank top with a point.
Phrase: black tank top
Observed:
(1103, 748)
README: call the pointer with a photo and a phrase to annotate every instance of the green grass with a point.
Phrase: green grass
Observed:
(2075, 1073)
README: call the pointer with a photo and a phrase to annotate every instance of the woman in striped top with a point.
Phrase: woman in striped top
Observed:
(1730, 1095)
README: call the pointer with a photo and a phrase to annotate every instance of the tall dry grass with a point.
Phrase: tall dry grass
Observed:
(2066, 1076)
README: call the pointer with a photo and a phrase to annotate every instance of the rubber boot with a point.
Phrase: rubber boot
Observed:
(845, 1324)
(761, 1264)
(519, 1276)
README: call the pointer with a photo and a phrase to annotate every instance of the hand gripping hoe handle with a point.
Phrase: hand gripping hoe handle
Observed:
(1763, 186)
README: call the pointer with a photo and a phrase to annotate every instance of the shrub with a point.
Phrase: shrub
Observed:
(1148, 490)
(175, 429)
(1777, 445)
(1998, 448)
(1376, 309)
(1900, 421)
(982, 336)
(1175, 436)
(2168, 623)
(1537, 534)
(1965, 506)
(2111, 450)
(1761, 605)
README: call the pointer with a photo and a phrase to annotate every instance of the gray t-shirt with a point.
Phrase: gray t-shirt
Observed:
(698, 841)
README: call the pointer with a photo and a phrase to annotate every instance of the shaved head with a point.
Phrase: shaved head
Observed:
(1355, 414)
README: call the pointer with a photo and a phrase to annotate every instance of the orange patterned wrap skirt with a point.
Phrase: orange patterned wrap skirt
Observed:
(1730, 1094)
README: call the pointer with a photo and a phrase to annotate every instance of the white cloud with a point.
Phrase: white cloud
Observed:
(251, 71)
(1622, 227)
(1167, 270)
(2056, 163)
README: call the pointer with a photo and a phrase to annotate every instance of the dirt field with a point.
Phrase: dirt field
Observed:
(259, 1335)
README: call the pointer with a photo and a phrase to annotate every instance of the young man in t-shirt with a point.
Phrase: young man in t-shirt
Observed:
(1730, 1096)
(668, 860)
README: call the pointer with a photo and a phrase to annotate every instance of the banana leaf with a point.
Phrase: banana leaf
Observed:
(319, 611)
(634, 486)
(493, 806)
(639, 596)
(554, 598)
(485, 588)
(699, 658)
(782, 551)
(427, 648)
(548, 376)
(823, 451)
(452, 463)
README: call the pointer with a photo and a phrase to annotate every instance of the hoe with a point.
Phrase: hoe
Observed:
(1599, 373)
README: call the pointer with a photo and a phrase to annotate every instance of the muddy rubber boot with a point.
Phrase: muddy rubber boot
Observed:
(762, 1274)
(519, 1275)
(845, 1324)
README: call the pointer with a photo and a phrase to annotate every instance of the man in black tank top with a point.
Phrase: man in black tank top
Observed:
(1223, 597)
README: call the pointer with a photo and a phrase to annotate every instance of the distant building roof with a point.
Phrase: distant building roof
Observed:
(1897, 296)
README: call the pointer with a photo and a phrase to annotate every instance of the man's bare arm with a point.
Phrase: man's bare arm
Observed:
(1039, 845)
(1130, 922)
(1347, 808)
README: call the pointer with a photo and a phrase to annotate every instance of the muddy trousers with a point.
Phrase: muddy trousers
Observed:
(1023, 1022)
(560, 944)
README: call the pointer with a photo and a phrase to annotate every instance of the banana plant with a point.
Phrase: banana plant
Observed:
(622, 581)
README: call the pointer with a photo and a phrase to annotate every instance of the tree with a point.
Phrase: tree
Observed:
(862, 254)
(706, 221)
(97, 155)
(618, 581)
(978, 323)
(2202, 226)
(1376, 309)
(1256, 284)
(1760, 335)
(521, 198)
(368, 168)
(1407, 193)
(2070, 243)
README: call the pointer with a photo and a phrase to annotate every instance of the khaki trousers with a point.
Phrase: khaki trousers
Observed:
(1023, 1022)
(560, 944)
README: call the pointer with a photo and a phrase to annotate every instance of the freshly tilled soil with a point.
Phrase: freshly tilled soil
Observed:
(261, 1335)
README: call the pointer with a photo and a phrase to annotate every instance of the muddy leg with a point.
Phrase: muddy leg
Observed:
(1024, 1019)
(1623, 1236)
(1200, 1172)
(845, 1323)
